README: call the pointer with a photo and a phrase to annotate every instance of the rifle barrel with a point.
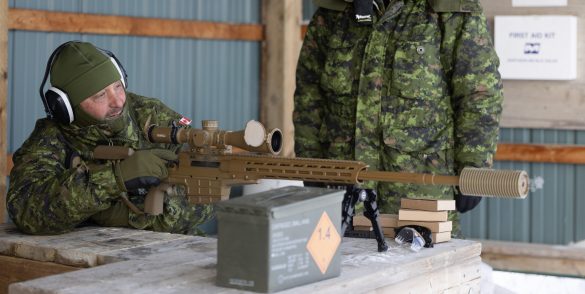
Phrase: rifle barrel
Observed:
(409, 178)
(472, 181)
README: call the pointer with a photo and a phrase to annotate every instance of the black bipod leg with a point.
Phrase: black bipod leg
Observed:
(354, 195)
(350, 199)
(373, 214)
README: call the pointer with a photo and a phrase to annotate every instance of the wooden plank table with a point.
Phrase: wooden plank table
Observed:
(119, 260)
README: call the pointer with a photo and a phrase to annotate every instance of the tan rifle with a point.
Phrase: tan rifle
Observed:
(208, 168)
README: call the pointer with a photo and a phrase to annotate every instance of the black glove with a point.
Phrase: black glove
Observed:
(465, 203)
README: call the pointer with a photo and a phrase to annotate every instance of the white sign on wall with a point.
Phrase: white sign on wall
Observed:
(538, 3)
(537, 47)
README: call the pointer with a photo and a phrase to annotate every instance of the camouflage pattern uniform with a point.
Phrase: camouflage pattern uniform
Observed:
(50, 195)
(417, 91)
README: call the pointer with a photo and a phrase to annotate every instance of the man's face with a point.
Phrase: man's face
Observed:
(107, 103)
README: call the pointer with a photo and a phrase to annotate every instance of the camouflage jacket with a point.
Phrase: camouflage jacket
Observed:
(50, 195)
(417, 91)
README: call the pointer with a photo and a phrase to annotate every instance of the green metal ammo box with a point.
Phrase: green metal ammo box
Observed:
(279, 239)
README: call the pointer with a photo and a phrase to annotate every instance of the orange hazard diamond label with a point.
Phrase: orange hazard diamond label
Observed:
(324, 242)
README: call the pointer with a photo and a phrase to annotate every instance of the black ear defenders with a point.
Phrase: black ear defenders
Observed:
(57, 104)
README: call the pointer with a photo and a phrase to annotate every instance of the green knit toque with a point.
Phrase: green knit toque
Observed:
(81, 70)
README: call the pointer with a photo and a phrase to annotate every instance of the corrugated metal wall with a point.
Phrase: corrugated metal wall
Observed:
(202, 79)
(554, 212)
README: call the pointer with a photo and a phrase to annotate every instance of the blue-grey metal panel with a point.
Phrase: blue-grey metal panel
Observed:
(308, 9)
(579, 208)
(202, 79)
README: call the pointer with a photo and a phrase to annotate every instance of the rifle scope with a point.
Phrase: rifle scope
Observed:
(253, 138)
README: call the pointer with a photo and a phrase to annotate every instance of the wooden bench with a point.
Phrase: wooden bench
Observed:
(560, 260)
(110, 260)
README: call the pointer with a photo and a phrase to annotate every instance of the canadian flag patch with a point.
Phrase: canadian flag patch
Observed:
(184, 121)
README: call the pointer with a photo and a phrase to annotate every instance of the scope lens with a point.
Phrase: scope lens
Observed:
(276, 141)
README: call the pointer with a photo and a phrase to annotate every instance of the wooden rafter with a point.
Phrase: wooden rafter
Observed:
(3, 102)
(51, 21)
(571, 154)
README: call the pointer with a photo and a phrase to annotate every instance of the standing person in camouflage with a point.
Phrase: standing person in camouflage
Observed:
(56, 184)
(402, 85)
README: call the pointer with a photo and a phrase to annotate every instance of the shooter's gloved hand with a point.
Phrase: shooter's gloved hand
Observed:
(143, 169)
(464, 203)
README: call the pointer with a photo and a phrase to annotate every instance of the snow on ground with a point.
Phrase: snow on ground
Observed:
(507, 282)
(499, 282)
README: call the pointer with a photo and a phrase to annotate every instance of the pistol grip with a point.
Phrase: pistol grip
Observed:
(153, 202)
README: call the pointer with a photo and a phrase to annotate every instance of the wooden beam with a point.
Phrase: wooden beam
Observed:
(3, 102)
(570, 154)
(9, 165)
(280, 52)
(20, 269)
(50, 21)
(534, 258)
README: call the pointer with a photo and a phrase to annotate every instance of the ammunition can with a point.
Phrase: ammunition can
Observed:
(275, 240)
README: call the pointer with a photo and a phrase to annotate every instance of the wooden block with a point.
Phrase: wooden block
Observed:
(386, 220)
(427, 204)
(421, 215)
(362, 228)
(441, 237)
(361, 221)
(19, 269)
(435, 227)
(389, 232)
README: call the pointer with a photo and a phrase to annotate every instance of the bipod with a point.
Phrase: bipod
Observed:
(352, 196)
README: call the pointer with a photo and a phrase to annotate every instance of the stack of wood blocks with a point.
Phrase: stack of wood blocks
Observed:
(387, 221)
(428, 213)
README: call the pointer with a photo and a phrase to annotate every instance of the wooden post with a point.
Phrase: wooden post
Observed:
(3, 102)
(280, 52)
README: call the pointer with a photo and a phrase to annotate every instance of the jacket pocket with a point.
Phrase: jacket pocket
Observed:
(417, 71)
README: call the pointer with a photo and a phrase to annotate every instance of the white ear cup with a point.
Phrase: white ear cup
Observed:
(122, 77)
